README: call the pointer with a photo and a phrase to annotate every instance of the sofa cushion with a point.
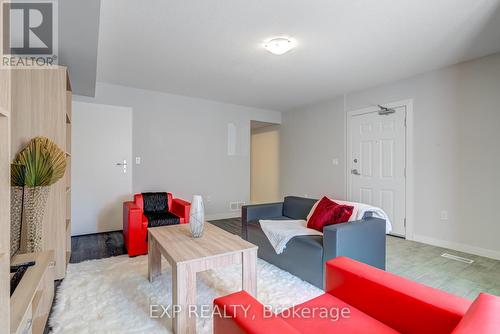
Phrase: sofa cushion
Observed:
(156, 219)
(314, 241)
(312, 210)
(303, 255)
(407, 306)
(256, 221)
(297, 207)
(352, 322)
(481, 317)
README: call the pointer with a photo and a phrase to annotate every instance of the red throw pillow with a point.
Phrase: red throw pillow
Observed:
(342, 214)
(327, 213)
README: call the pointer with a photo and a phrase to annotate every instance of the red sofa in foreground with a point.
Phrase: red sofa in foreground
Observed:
(136, 221)
(378, 302)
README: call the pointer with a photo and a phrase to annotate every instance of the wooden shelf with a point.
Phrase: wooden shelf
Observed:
(5, 159)
(38, 326)
(68, 135)
(4, 258)
(36, 300)
(69, 90)
(41, 106)
(25, 295)
(3, 112)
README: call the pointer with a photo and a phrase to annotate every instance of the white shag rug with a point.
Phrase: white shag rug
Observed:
(113, 295)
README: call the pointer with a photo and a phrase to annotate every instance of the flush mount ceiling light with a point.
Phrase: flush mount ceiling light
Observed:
(279, 45)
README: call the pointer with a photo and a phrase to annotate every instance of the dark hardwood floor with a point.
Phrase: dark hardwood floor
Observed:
(97, 246)
(103, 245)
(232, 225)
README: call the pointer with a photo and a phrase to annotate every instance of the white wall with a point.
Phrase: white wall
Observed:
(456, 154)
(310, 140)
(183, 144)
(265, 165)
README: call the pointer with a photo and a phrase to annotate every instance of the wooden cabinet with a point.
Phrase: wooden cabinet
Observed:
(67, 178)
(5, 106)
(31, 302)
(4, 200)
(34, 102)
(41, 106)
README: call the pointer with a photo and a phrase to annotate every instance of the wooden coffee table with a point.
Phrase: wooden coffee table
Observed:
(188, 255)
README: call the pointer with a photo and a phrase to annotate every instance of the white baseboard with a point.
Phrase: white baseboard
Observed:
(458, 246)
(225, 215)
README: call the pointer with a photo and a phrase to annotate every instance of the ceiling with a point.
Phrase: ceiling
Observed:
(212, 49)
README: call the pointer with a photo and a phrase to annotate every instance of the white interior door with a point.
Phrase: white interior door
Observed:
(378, 163)
(101, 166)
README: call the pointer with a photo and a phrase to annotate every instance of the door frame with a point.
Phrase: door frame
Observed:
(409, 180)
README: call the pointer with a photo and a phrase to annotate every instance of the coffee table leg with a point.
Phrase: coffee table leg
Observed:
(154, 259)
(184, 297)
(249, 274)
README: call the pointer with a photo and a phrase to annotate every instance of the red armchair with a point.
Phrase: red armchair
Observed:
(378, 302)
(135, 223)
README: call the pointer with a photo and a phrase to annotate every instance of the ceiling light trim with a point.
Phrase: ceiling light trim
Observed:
(279, 45)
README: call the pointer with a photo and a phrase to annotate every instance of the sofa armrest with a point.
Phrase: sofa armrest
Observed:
(406, 306)
(259, 211)
(482, 317)
(240, 313)
(181, 209)
(132, 220)
(362, 240)
(132, 215)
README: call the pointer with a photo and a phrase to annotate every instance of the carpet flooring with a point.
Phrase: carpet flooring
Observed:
(114, 295)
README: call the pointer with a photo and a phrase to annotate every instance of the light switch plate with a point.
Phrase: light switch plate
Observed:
(335, 161)
(137, 160)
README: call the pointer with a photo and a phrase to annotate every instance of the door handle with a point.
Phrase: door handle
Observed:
(123, 164)
(355, 172)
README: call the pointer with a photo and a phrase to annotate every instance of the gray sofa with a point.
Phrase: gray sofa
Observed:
(305, 256)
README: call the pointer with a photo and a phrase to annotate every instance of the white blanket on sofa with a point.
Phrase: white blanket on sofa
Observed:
(360, 209)
(279, 232)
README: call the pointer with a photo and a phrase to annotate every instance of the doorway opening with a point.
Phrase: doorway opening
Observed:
(264, 162)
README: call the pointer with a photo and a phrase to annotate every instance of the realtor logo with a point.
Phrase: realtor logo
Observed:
(29, 29)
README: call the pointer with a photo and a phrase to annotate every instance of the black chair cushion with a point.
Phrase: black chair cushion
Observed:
(156, 219)
(155, 202)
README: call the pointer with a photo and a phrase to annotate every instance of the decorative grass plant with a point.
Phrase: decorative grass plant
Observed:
(38, 166)
(44, 163)
(17, 173)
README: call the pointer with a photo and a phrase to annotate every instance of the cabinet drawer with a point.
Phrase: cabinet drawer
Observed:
(26, 324)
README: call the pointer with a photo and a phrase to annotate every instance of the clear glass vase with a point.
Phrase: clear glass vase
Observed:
(197, 216)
